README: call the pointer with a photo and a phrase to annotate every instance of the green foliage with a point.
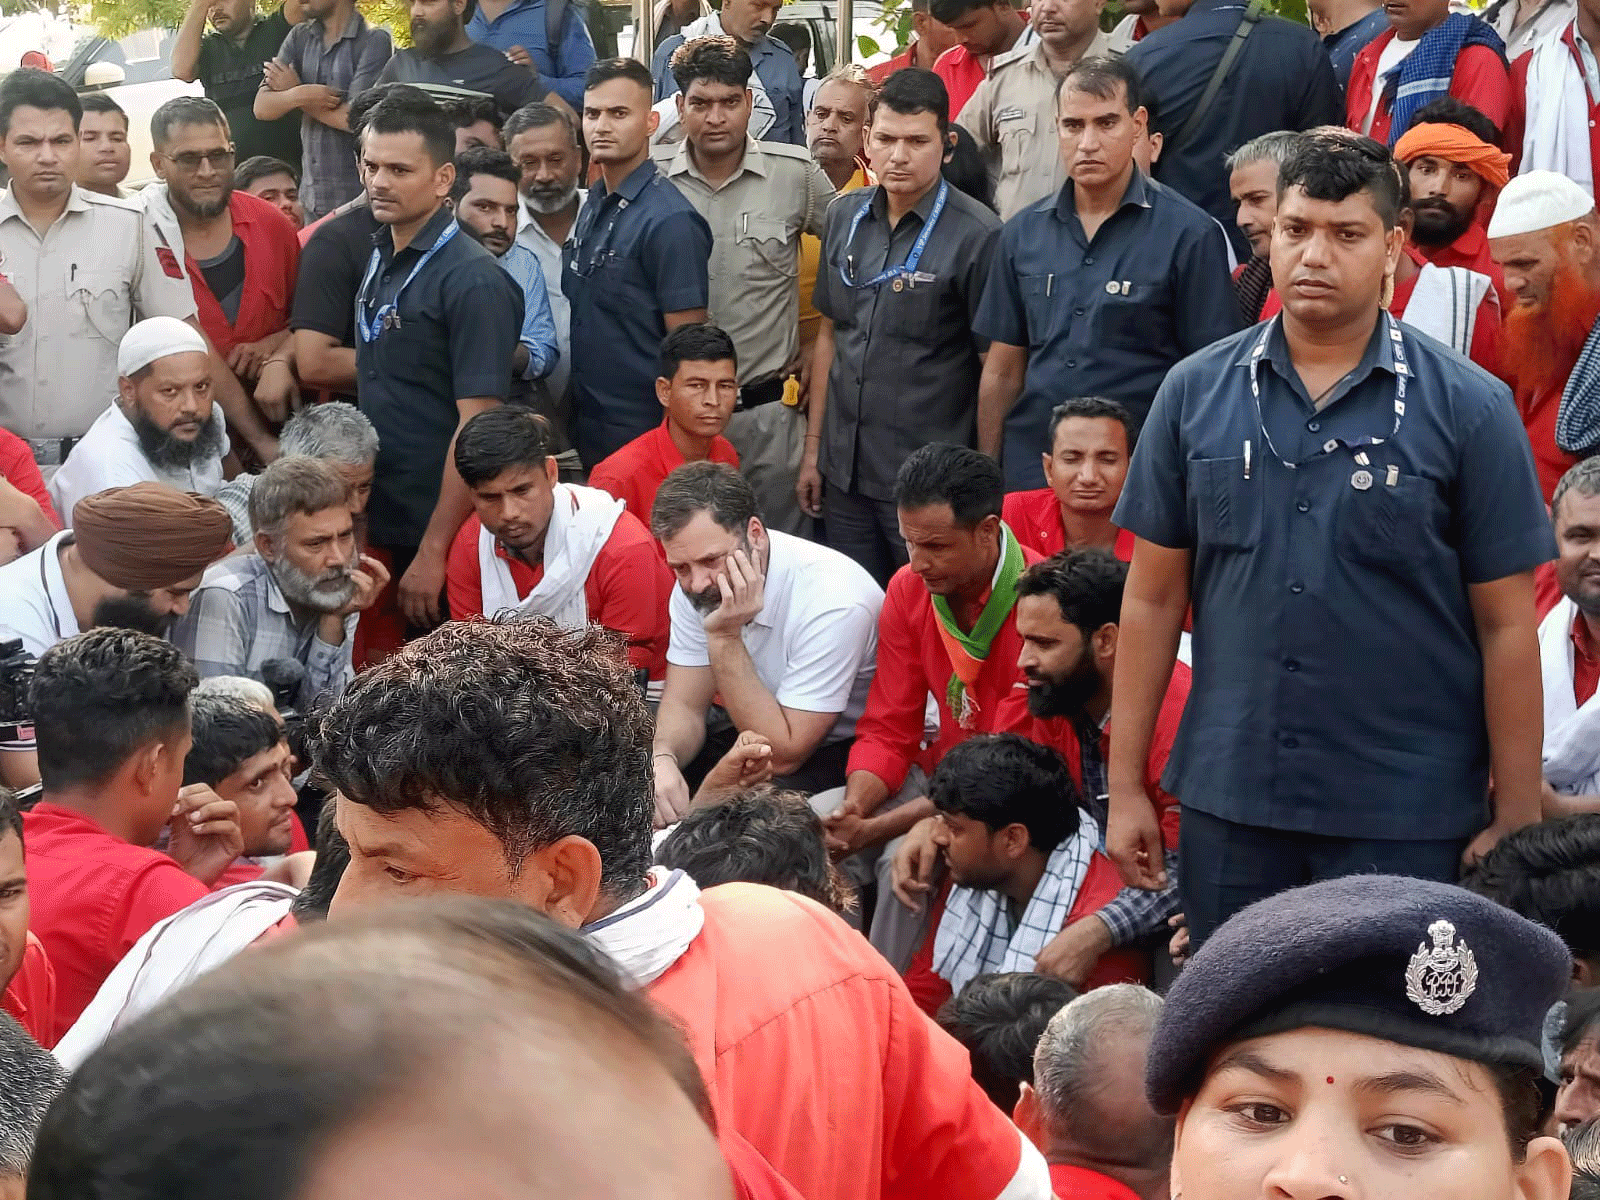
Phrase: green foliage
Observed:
(118, 18)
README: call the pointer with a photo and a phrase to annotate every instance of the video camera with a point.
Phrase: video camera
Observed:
(16, 678)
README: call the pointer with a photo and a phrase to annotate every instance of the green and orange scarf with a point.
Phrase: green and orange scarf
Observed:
(968, 651)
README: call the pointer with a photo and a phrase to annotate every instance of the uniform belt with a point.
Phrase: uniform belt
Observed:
(754, 395)
(51, 452)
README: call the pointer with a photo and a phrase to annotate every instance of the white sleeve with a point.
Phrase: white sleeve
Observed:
(687, 647)
(826, 652)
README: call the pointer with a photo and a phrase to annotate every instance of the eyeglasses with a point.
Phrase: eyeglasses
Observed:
(190, 160)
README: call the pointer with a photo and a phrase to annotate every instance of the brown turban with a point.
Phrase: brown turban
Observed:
(149, 536)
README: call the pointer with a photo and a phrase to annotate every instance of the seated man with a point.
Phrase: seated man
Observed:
(539, 547)
(1569, 648)
(111, 712)
(1549, 872)
(25, 971)
(509, 761)
(1091, 441)
(1024, 864)
(163, 426)
(1086, 1107)
(779, 631)
(698, 387)
(1455, 169)
(999, 1019)
(298, 596)
(27, 517)
(276, 182)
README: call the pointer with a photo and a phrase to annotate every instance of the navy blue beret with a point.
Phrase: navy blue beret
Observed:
(1419, 963)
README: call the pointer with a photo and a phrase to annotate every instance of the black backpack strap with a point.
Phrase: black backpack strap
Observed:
(1218, 77)
(555, 15)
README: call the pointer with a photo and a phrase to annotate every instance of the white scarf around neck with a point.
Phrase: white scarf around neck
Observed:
(1557, 133)
(1571, 732)
(1444, 304)
(581, 519)
(648, 934)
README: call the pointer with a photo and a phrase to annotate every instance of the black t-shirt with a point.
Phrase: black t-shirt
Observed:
(331, 265)
(231, 76)
(478, 68)
(225, 277)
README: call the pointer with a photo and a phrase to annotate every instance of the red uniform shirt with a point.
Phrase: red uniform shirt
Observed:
(627, 589)
(271, 257)
(1080, 1183)
(1035, 517)
(93, 895)
(1516, 122)
(906, 58)
(1480, 79)
(911, 663)
(1585, 662)
(30, 997)
(634, 473)
(19, 470)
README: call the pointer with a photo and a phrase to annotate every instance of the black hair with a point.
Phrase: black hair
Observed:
(482, 160)
(260, 166)
(101, 102)
(185, 111)
(947, 12)
(539, 115)
(718, 60)
(29, 87)
(1549, 872)
(1086, 585)
(964, 169)
(604, 70)
(1098, 75)
(333, 856)
(1583, 1011)
(913, 90)
(362, 103)
(1523, 1105)
(758, 836)
(703, 487)
(1001, 779)
(10, 813)
(794, 35)
(535, 732)
(1094, 408)
(1447, 110)
(939, 473)
(401, 114)
(999, 1019)
(100, 697)
(464, 111)
(700, 342)
(1333, 165)
(499, 439)
(228, 732)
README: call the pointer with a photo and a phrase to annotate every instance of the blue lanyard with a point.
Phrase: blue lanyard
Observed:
(1401, 372)
(905, 270)
(388, 315)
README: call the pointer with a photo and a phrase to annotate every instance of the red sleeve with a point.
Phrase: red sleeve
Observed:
(1168, 719)
(1516, 122)
(1480, 79)
(463, 582)
(889, 733)
(1546, 589)
(21, 472)
(609, 480)
(161, 889)
(1358, 93)
(1485, 348)
(628, 590)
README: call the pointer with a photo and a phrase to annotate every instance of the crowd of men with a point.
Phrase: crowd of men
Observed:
(830, 596)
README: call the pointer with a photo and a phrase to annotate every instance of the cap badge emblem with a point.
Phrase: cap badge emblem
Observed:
(1439, 979)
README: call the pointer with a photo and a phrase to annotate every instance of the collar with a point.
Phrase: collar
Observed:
(754, 162)
(1277, 353)
(1581, 644)
(1216, 6)
(356, 27)
(383, 238)
(1137, 193)
(1471, 243)
(76, 202)
(633, 186)
(276, 601)
(878, 203)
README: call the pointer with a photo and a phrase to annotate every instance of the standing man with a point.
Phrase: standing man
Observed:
(326, 61)
(437, 323)
(1455, 171)
(1253, 184)
(275, 182)
(1012, 115)
(836, 135)
(634, 268)
(230, 63)
(103, 153)
(1522, 24)
(775, 76)
(896, 363)
(443, 53)
(544, 144)
(1319, 483)
(758, 198)
(520, 29)
(929, 39)
(1569, 647)
(1101, 289)
(985, 30)
(1347, 26)
(1552, 93)
(1279, 79)
(1141, 19)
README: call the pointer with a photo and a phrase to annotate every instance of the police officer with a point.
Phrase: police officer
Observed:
(1370, 1037)
(1354, 513)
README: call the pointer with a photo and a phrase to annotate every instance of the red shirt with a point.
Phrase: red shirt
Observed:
(1059, 734)
(30, 997)
(19, 470)
(1539, 419)
(1035, 517)
(627, 589)
(906, 58)
(911, 663)
(1516, 122)
(1080, 1183)
(634, 473)
(1585, 662)
(962, 72)
(1546, 589)
(93, 897)
(271, 258)
(1480, 79)
(1470, 250)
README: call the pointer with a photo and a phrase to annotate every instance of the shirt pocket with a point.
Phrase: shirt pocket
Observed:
(1038, 302)
(102, 297)
(1386, 525)
(912, 313)
(620, 286)
(1123, 316)
(1227, 505)
(767, 250)
(1016, 133)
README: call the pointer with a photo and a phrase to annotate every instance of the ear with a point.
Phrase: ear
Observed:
(444, 179)
(1157, 140)
(571, 867)
(127, 392)
(1584, 974)
(1397, 243)
(949, 145)
(264, 547)
(679, 99)
(1013, 840)
(1546, 1173)
(757, 534)
(1026, 1115)
(663, 390)
(1583, 242)
(145, 766)
(1049, 468)
(1104, 643)
(1141, 118)
(159, 166)
(989, 528)
(552, 469)
(655, 118)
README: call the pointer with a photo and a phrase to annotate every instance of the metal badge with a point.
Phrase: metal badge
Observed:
(1361, 480)
(1113, 288)
(1439, 980)
(899, 285)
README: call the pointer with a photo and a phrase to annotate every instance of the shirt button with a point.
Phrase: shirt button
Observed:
(1289, 742)
(1291, 664)
(1077, 312)
(1297, 587)
(1303, 506)
(1089, 261)
(1313, 425)
(1072, 362)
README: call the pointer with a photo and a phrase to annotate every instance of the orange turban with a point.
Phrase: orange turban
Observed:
(149, 535)
(1455, 144)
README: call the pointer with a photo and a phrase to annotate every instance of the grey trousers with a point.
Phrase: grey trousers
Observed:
(771, 439)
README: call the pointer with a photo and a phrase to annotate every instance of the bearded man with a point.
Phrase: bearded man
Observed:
(1545, 237)
(298, 596)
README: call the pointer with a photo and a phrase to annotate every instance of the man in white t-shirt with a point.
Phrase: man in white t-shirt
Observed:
(782, 633)
(163, 426)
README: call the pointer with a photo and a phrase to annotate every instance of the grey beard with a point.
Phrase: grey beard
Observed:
(324, 594)
(546, 207)
(201, 212)
(168, 452)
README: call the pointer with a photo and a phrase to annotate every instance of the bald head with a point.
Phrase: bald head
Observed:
(442, 1049)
